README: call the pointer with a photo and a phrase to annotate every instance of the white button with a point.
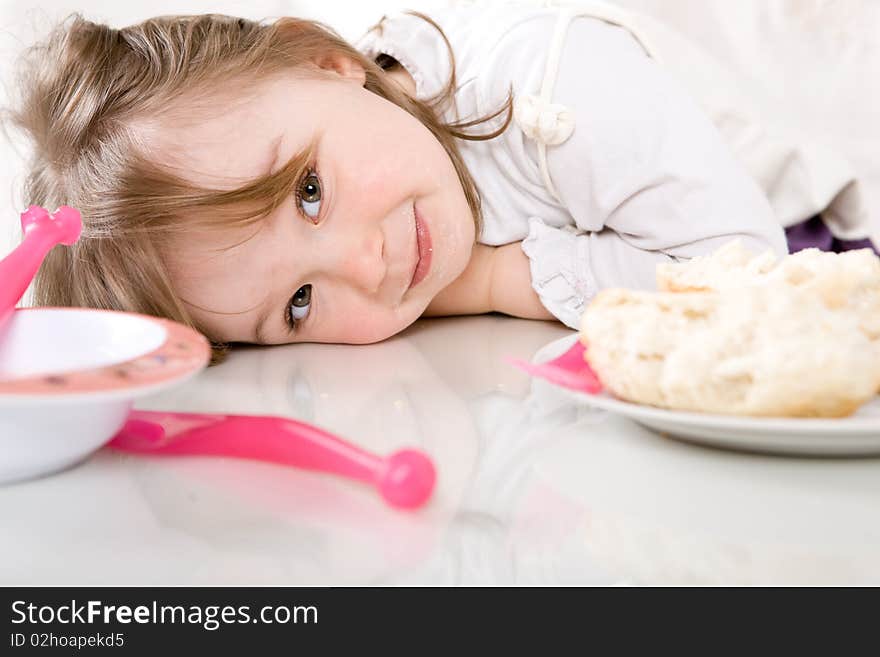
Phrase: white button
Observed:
(546, 122)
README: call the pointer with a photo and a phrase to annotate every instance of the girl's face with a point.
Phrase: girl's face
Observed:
(342, 261)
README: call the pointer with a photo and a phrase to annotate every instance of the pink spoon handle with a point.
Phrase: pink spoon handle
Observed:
(570, 370)
(41, 233)
(405, 479)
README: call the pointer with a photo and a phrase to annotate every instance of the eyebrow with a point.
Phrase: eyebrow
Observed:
(274, 152)
(259, 330)
(291, 172)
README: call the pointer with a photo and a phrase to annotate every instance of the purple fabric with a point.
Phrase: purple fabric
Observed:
(813, 233)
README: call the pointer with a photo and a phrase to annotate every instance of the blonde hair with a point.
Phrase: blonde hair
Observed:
(84, 88)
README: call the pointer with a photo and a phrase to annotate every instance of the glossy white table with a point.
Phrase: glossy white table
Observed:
(532, 489)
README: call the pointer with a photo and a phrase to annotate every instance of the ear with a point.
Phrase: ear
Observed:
(343, 66)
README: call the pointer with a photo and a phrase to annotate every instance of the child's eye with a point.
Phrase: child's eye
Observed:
(299, 306)
(308, 194)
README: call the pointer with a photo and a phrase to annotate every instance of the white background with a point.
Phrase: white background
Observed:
(817, 61)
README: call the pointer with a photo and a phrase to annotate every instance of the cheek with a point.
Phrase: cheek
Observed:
(369, 324)
(385, 147)
(380, 173)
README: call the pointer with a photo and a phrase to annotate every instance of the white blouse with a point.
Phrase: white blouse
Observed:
(611, 170)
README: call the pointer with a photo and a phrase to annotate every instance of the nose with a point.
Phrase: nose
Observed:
(357, 261)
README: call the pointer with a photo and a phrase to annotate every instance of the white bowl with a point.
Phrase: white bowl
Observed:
(69, 376)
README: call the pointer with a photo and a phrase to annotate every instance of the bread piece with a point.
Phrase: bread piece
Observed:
(730, 265)
(850, 279)
(840, 280)
(770, 350)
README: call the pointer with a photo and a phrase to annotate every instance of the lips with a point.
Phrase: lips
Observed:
(423, 238)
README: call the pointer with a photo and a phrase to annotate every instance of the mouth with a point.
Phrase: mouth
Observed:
(425, 249)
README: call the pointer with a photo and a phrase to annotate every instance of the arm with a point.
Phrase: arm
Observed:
(645, 176)
(645, 161)
(511, 289)
(497, 279)
(469, 293)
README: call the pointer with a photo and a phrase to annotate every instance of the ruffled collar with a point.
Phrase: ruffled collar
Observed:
(417, 45)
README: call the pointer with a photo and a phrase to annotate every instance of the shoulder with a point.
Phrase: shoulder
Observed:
(491, 44)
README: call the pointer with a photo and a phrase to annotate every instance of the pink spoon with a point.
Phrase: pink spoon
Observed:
(405, 479)
(42, 231)
(570, 370)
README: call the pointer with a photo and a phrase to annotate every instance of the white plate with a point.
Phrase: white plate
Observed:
(856, 435)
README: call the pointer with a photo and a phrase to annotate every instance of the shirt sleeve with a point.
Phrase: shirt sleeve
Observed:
(569, 267)
(645, 175)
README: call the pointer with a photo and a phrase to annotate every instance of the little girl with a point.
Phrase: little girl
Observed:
(271, 183)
